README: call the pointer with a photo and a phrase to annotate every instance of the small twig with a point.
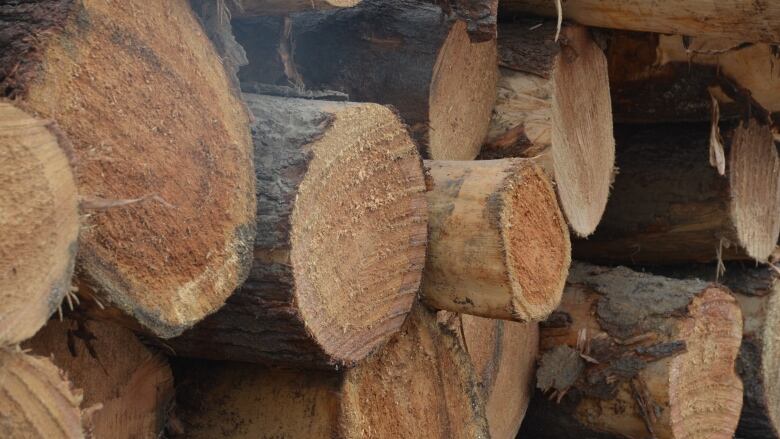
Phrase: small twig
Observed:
(97, 203)
(559, 10)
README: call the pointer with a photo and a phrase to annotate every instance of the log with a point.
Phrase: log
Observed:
(668, 78)
(504, 356)
(341, 233)
(39, 223)
(553, 105)
(162, 150)
(743, 20)
(756, 290)
(420, 385)
(670, 206)
(498, 244)
(636, 355)
(402, 53)
(249, 8)
(215, 19)
(133, 385)
(37, 400)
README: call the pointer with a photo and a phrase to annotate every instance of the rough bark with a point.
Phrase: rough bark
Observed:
(420, 385)
(402, 53)
(633, 355)
(553, 105)
(498, 244)
(480, 16)
(133, 385)
(215, 18)
(248, 8)
(669, 205)
(39, 222)
(744, 20)
(340, 245)
(504, 356)
(37, 401)
(162, 149)
(669, 78)
(756, 290)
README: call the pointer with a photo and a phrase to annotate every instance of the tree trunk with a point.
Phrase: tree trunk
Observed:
(161, 146)
(668, 78)
(340, 245)
(635, 355)
(498, 243)
(133, 385)
(756, 290)
(249, 8)
(37, 401)
(39, 223)
(420, 385)
(744, 20)
(553, 105)
(504, 357)
(669, 205)
(397, 52)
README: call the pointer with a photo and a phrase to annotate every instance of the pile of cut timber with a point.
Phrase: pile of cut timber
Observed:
(356, 219)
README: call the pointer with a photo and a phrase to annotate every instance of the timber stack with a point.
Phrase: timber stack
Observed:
(531, 219)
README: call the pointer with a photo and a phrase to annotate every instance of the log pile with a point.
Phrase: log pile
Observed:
(357, 218)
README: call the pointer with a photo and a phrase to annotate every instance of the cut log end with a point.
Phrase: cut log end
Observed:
(499, 245)
(754, 174)
(705, 392)
(554, 106)
(39, 222)
(360, 223)
(504, 356)
(536, 242)
(133, 385)
(462, 96)
(634, 355)
(583, 147)
(36, 399)
(168, 190)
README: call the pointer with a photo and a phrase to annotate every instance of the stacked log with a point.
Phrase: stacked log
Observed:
(742, 20)
(756, 290)
(553, 106)
(39, 222)
(669, 78)
(132, 385)
(340, 242)
(37, 400)
(635, 355)
(503, 355)
(161, 149)
(421, 384)
(499, 246)
(670, 205)
(402, 53)
(291, 261)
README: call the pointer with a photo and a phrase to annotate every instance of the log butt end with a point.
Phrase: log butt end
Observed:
(39, 222)
(705, 392)
(536, 242)
(583, 146)
(754, 174)
(359, 233)
(463, 91)
(37, 400)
